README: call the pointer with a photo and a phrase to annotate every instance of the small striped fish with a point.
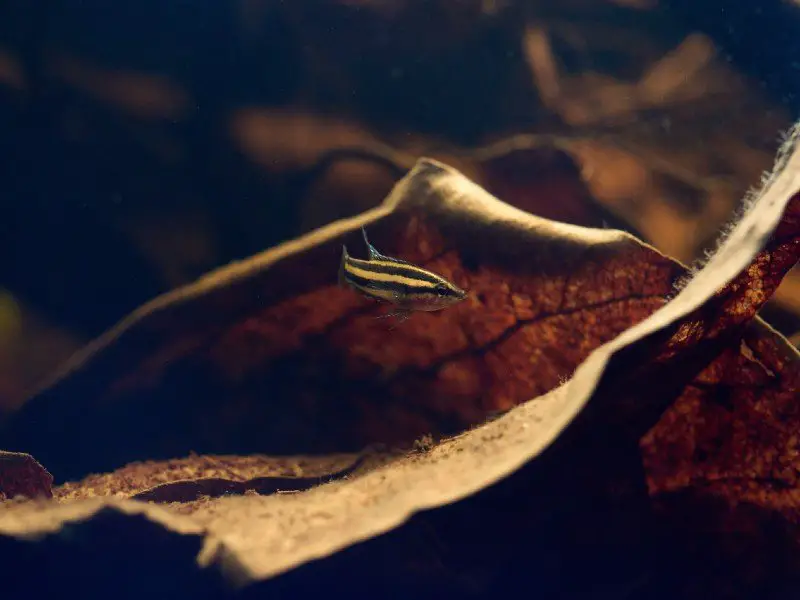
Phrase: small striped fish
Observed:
(408, 287)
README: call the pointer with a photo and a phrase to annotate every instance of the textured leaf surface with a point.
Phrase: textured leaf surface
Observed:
(271, 356)
(721, 460)
(22, 475)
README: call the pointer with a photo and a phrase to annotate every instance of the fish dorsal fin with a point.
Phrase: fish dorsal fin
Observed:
(373, 252)
(375, 255)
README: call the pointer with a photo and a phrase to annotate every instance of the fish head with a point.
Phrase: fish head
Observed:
(442, 295)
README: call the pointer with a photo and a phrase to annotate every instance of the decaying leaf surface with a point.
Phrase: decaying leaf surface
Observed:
(269, 355)
(706, 338)
(22, 475)
(726, 452)
(254, 537)
(187, 479)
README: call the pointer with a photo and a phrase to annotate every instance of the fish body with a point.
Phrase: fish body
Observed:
(408, 287)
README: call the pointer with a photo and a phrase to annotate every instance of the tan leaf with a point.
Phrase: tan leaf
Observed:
(594, 308)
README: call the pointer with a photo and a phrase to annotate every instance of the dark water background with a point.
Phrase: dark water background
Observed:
(76, 169)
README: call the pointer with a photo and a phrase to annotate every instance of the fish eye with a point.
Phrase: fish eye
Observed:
(441, 289)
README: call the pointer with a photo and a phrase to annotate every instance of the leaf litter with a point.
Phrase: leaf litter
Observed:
(271, 356)
(706, 345)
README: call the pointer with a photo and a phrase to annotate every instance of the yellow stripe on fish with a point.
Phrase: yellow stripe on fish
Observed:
(407, 286)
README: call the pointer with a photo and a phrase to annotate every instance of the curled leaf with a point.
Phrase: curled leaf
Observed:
(187, 490)
(563, 467)
(271, 356)
(186, 479)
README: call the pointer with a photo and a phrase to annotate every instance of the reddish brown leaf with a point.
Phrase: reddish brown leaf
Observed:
(253, 537)
(21, 475)
(726, 452)
(269, 355)
(720, 348)
(585, 488)
(723, 460)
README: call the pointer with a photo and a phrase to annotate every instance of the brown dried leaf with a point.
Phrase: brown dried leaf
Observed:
(269, 355)
(584, 485)
(252, 538)
(546, 181)
(726, 453)
(346, 169)
(185, 479)
(21, 475)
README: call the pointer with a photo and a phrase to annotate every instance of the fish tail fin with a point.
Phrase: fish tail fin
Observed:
(345, 256)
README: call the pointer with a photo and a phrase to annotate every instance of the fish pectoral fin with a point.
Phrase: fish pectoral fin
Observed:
(400, 314)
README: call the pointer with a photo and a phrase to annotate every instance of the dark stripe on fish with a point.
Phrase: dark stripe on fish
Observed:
(391, 286)
(397, 269)
(401, 283)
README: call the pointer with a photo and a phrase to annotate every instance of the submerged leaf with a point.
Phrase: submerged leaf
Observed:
(270, 355)
(496, 518)
(21, 475)
(726, 453)
(187, 479)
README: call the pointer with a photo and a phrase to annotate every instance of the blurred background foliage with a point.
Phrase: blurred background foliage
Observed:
(145, 143)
